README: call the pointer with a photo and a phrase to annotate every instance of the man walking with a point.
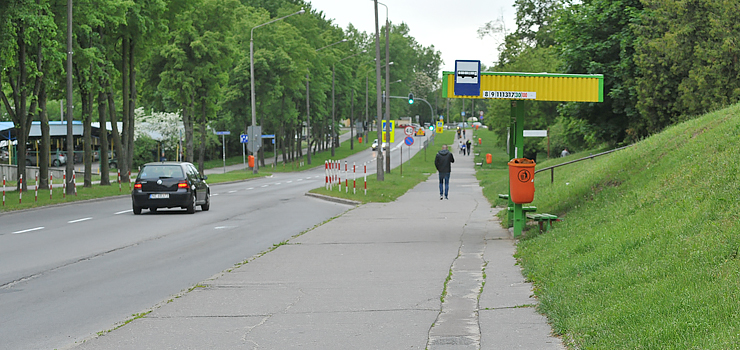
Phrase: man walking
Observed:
(443, 162)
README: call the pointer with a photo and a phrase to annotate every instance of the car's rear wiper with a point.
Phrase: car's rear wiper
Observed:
(165, 177)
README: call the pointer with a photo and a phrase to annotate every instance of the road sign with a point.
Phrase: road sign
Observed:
(389, 127)
(223, 132)
(409, 140)
(243, 138)
(409, 130)
(440, 127)
(255, 133)
(467, 78)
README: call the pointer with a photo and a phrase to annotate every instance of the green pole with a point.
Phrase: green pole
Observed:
(518, 109)
(510, 148)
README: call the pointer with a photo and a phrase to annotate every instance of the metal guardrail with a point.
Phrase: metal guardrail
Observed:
(552, 168)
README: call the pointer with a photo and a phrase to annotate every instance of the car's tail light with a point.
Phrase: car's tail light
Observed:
(182, 184)
(137, 185)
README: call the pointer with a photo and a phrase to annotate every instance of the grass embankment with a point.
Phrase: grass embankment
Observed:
(647, 255)
(415, 170)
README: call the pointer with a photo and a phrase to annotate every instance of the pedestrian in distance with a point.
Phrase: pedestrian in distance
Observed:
(443, 162)
(468, 146)
(565, 152)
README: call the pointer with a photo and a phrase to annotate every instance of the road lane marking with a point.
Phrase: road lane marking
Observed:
(80, 220)
(251, 188)
(29, 230)
(215, 194)
(299, 180)
(290, 182)
(264, 185)
(277, 183)
(123, 212)
(232, 191)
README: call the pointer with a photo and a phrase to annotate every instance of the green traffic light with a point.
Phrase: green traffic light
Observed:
(411, 98)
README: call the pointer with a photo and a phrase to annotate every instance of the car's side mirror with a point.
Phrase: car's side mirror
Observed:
(205, 177)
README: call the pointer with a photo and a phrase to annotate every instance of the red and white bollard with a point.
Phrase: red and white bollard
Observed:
(51, 185)
(74, 181)
(3, 190)
(365, 166)
(36, 193)
(119, 180)
(346, 178)
(354, 178)
(20, 190)
(326, 174)
(64, 185)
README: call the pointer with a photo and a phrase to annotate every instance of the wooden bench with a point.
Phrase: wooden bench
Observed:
(544, 220)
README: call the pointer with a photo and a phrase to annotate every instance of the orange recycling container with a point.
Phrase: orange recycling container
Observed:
(521, 180)
(489, 158)
(251, 161)
(359, 139)
(480, 141)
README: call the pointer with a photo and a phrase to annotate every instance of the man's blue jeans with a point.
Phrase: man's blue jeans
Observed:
(444, 179)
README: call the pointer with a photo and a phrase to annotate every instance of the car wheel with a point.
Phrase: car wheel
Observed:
(191, 206)
(55, 162)
(153, 209)
(207, 206)
(112, 165)
(137, 210)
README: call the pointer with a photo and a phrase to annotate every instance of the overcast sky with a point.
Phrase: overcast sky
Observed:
(451, 26)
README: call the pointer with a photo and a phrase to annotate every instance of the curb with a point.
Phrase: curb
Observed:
(333, 199)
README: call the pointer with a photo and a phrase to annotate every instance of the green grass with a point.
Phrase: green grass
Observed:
(647, 255)
(416, 170)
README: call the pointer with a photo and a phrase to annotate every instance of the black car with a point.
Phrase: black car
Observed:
(170, 185)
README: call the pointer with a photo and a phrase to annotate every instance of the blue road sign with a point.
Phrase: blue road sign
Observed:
(409, 140)
(244, 138)
(223, 132)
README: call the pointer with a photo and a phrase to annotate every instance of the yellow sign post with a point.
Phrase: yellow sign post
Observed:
(520, 87)
(391, 127)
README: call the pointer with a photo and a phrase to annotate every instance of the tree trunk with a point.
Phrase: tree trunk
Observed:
(87, 98)
(104, 171)
(187, 122)
(123, 154)
(202, 146)
(132, 104)
(117, 145)
(45, 140)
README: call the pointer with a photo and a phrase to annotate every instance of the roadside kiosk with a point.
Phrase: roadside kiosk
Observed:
(467, 81)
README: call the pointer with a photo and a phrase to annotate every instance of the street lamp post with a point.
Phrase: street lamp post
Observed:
(380, 174)
(251, 76)
(387, 88)
(332, 100)
(308, 106)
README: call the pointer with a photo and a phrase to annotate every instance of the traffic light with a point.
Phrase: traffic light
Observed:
(411, 98)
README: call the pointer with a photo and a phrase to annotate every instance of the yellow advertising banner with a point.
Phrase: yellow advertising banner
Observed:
(533, 86)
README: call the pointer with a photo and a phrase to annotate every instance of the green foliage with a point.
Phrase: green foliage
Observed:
(647, 253)
(145, 151)
(688, 55)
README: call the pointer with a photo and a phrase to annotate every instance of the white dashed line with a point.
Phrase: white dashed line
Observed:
(29, 230)
(289, 182)
(123, 212)
(232, 191)
(299, 180)
(264, 185)
(80, 220)
(215, 194)
(251, 188)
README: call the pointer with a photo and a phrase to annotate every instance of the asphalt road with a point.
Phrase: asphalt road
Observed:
(68, 272)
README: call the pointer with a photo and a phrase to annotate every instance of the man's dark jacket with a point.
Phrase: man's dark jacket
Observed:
(443, 160)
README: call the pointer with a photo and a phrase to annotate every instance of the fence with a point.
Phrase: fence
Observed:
(552, 168)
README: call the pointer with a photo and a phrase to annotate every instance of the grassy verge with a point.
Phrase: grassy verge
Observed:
(647, 255)
(415, 170)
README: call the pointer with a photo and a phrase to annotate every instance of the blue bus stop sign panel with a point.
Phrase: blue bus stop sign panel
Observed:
(467, 78)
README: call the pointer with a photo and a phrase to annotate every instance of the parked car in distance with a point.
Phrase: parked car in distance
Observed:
(375, 145)
(57, 158)
(170, 185)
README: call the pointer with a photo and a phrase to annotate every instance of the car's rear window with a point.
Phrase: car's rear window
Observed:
(161, 171)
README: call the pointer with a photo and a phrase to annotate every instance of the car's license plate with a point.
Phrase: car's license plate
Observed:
(159, 196)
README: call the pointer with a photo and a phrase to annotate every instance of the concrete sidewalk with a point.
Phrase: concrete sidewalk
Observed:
(372, 278)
